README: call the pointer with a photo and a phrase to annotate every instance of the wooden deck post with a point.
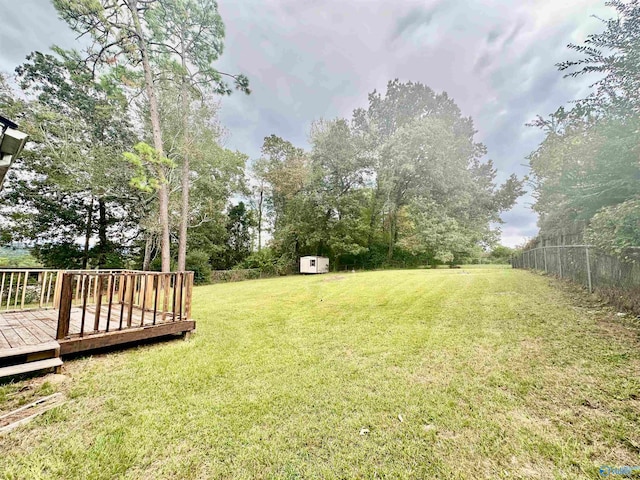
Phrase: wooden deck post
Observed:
(188, 288)
(64, 302)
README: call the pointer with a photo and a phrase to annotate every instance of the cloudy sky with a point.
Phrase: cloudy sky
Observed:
(319, 59)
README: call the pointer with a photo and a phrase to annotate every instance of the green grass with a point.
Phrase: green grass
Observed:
(495, 373)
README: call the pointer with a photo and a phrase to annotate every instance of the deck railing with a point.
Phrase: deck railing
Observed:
(98, 301)
(27, 289)
(121, 299)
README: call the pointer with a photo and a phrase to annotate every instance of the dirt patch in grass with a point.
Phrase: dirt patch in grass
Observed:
(335, 278)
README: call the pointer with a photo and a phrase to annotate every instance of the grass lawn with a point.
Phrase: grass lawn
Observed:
(470, 373)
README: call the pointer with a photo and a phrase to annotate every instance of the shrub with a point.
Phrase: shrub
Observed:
(265, 261)
(613, 229)
(198, 262)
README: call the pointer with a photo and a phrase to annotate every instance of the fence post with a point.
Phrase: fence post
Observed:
(535, 259)
(586, 250)
(559, 261)
(544, 252)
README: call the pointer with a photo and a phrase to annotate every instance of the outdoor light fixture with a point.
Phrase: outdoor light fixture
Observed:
(12, 142)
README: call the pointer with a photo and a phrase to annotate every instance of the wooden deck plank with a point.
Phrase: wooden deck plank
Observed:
(12, 337)
(3, 341)
(48, 328)
(27, 337)
(35, 330)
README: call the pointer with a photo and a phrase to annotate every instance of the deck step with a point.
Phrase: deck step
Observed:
(30, 367)
(28, 349)
(29, 353)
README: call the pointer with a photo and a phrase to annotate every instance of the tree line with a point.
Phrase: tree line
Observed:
(586, 172)
(403, 182)
(127, 165)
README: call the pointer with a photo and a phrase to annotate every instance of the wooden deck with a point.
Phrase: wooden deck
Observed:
(92, 310)
(34, 327)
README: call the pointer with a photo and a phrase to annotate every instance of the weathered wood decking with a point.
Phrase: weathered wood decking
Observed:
(86, 310)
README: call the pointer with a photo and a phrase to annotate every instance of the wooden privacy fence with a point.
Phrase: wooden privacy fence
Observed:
(102, 301)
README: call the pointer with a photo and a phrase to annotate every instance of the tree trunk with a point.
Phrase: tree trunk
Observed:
(87, 235)
(148, 246)
(392, 234)
(260, 217)
(374, 216)
(102, 233)
(184, 210)
(163, 191)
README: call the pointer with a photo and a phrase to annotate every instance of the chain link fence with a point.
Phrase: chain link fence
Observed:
(617, 278)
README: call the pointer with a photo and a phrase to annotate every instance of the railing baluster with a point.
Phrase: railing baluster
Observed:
(110, 288)
(83, 288)
(132, 291)
(48, 297)
(24, 289)
(175, 288)
(42, 280)
(181, 293)
(15, 303)
(144, 298)
(85, 293)
(96, 290)
(165, 299)
(78, 280)
(4, 276)
(156, 279)
(9, 293)
(150, 292)
(98, 299)
(138, 289)
(57, 289)
(121, 297)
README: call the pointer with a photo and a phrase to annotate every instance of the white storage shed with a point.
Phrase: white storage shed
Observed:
(314, 264)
